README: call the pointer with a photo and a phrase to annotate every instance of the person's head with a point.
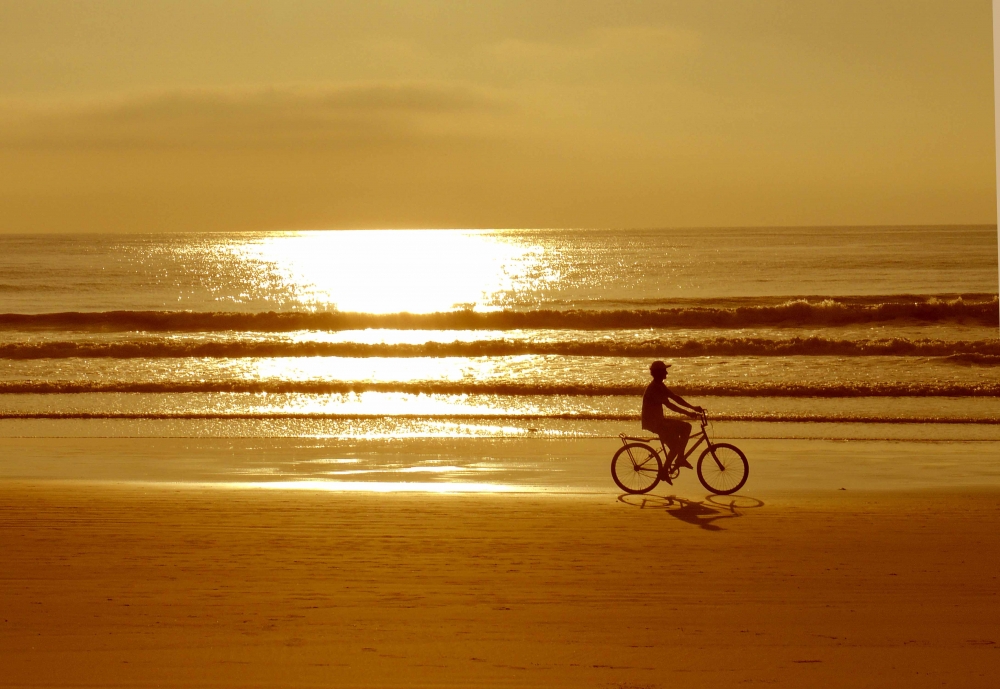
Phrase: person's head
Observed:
(658, 370)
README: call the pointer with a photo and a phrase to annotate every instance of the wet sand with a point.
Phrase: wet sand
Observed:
(130, 585)
(956, 459)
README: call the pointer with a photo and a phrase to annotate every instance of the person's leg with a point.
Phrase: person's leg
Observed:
(670, 441)
(683, 435)
(668, 437)
(675, 435)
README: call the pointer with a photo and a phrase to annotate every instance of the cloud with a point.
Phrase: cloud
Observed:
(287, 116)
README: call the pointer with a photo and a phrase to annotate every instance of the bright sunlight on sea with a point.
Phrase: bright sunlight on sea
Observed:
(371, 336)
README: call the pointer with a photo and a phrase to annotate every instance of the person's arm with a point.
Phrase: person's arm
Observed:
(673, 397)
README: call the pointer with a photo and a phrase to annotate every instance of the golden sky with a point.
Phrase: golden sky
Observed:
(214, 115)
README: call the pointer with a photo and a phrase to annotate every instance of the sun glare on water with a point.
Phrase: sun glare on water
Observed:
(392, 271)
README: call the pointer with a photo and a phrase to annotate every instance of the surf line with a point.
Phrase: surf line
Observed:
(323, 387)
(980, 309)
(982, 352)
(280, 416)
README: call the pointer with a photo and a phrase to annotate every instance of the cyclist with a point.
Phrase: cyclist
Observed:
(673, 432)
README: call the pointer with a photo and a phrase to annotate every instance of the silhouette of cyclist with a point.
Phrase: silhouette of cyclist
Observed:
(673, 432)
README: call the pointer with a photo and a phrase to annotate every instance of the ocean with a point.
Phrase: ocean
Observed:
(333, 347)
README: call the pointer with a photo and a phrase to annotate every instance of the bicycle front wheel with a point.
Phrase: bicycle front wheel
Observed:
(636, 468)
(723, 468)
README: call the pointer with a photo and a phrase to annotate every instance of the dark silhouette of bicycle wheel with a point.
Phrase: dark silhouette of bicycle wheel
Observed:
(723, 469)
(636, 468)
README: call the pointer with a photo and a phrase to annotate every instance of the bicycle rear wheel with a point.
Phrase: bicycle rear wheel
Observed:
(723, 468)
(636, 468)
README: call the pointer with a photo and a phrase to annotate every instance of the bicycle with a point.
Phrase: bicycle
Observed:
(637, 467)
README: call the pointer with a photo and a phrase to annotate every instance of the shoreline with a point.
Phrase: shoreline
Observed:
(538, 465)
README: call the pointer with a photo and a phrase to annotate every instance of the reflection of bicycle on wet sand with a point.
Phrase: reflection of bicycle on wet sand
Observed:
(637, 468)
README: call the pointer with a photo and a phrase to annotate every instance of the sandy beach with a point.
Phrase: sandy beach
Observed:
(155, 585)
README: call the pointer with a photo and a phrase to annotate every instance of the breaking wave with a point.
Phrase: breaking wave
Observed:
(431, 387)
(981, 352)
(977, 309)
(762, 417)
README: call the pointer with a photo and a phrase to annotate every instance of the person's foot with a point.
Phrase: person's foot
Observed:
(665, 475)
(683, 463)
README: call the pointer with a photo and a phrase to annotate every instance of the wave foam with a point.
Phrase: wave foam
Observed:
(980, 309)
(261, 416)
(977, 352)
(737, 389)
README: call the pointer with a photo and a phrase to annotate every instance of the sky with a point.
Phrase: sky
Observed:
(206, 115)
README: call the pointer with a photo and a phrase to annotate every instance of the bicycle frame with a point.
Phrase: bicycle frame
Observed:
(702, 437)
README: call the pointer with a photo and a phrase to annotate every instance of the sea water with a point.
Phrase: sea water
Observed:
(368, 337)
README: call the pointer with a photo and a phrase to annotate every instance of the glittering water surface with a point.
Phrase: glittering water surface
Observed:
(376, 335)
(422, 271)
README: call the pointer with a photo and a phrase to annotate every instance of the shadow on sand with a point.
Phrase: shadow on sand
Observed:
(703, 514)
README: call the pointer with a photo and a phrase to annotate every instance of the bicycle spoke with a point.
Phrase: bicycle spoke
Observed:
(639, 473)
(722, 469)
(718, 462)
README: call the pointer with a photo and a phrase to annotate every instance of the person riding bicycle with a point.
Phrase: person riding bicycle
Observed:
(674, 433)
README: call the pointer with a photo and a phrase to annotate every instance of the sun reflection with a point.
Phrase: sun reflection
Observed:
(391, 271)
(402, 404)
(388, 486)
(365, 369)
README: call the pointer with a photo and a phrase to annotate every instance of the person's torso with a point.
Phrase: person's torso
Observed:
(652, 403)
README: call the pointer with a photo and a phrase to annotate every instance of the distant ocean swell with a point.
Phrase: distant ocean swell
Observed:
(985, 352)
(832, 390)
(763, 417)
(798, 312)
